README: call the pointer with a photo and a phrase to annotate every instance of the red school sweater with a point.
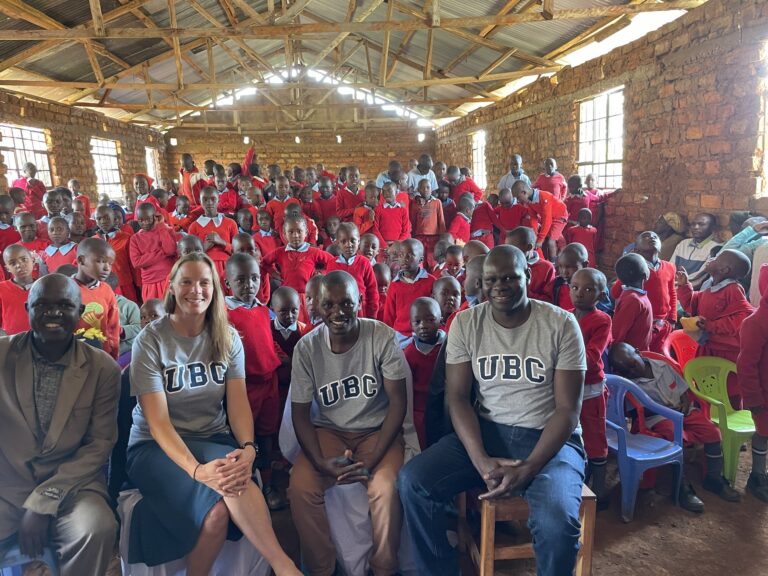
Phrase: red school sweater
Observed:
(427, 219)
(542, 276)
(221, 225)
(364, 218)
(392, 222)
(101, 312)
(230, 201)
(255, 329)
(400, 296)
(362, 271)
(587, 237)
(37, 248)
(555, 185)
(484, 218)
(347, 201)
(325, 208)
(449, 211)
(296, 266)
(266, 243)
(153, 253)
(59, 256)
(660, 289)
(596, 331)
(545, 210)
(466, 186)
(120, 242)
(752, 364)
(422, 366)
(8, 236)
(509, 218)
(725, 310)
(13, 316)
(276, 209)
(633, 319)
(460, 228)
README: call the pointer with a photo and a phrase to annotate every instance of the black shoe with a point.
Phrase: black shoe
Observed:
(720, 486)
(275, 500)
(689, 501)
(758, 486)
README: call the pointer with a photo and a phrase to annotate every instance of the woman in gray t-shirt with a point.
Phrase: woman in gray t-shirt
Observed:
(190, 456)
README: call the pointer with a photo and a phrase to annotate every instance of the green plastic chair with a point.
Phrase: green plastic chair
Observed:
(707, 377)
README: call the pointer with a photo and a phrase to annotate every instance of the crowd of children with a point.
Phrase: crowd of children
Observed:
(414, 242)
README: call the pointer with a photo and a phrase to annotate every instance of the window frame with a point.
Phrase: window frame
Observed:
(151, 152)
(479, 168)
(112, 188)
(18, 152)
(599, 150)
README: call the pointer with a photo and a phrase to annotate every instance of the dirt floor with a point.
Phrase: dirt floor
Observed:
(662, 540)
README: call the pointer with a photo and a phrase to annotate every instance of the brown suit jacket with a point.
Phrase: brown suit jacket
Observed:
(82, 432)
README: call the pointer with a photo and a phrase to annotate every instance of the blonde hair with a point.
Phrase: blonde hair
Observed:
(216, 320)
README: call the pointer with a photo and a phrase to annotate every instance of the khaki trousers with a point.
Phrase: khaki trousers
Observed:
(307, 495)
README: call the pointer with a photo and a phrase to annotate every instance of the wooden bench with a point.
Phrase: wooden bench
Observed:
(487, 552)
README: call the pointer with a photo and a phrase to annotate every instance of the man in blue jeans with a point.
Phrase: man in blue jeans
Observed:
(521, 436)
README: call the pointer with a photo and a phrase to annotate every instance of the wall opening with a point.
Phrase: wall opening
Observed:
(601, 137)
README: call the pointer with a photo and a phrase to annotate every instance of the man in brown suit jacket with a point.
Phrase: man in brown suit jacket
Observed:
(58, 404)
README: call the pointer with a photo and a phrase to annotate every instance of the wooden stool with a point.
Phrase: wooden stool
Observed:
(517, 509)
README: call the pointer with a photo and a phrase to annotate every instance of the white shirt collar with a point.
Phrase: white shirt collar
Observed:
(205, 220)
(303, 248)
(233, 303)
(285, 331)
(65, 249)
(722, 284)
(342, 260)
(400, 277)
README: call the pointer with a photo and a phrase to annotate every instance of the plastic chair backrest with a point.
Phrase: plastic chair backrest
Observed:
(664, 358)
(682, 345)
(709, 376)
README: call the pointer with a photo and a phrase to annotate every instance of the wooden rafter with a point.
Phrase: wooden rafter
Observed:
(343, 29)
(428, 57)
(94, 61)
(291, 12)
(98, 17)
(548, 9)
(176, 44)
(229, 12)
(250, 11)
(498, 62)
(385, 48)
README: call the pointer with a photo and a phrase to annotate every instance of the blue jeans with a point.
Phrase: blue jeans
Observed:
(429, 483)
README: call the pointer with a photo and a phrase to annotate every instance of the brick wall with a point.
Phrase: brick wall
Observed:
(370, 150)
(693, 119)
(69, 131)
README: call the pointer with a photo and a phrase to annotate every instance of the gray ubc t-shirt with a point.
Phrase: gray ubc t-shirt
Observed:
(348, 388)
(182, 367)
(514, 368)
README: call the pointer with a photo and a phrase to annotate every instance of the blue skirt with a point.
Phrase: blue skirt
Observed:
(166, 522)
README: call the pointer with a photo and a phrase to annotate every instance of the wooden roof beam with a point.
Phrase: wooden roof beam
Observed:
(385, 47)
(548, 9)
(98, 17)
(176, 44)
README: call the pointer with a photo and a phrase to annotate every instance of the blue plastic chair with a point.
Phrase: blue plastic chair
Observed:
(12, 560)
(637, 453)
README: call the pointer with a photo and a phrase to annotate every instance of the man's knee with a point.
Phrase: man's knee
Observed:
(409, 480)
(97, 525)
(383, 484)
(555, 511)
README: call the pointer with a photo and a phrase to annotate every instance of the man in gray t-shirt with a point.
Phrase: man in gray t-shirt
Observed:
(526, 361)
(353, 371)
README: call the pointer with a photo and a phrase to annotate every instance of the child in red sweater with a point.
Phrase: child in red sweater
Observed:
(296, 262)
(549, 212)
(660, 287)
(460, 228)
(215, 230)
(383, 276)
(446, 291)
(328, 235)
(585, 234)
(252, 321)
(326, 202)
(8, 234)
(551, 180)
(188, 244)
(348, 195)
(244, 244)
(719, 310)
(483, 221)
(120, 242)
(14, 292)
(153, 252)
(369, 248)
(364, 216)
(542, 271)
(511, 214)
(411, 282)
(267, 239)
(449, 206)
(454, 263)
(276, 206)
(61, 250)
(587, 287)
(348, 240)
(421, 352)
(286, 333)
(572, 259)
(752, 368)
(26, 226)
(94, 263)
(391, 219)
(181, 218)
(427, 223)
(294, 211)
(633, 317)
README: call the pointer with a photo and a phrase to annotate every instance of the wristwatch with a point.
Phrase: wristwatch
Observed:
(253, 444)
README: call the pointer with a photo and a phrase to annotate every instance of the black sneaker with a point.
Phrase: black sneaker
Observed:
(758, 486)
(275, 500)
(720, 486)
(689, 501)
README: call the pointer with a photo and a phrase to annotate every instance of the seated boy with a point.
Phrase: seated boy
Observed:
(664, 385)
(286, 333)
(446, 291)
(542, 271)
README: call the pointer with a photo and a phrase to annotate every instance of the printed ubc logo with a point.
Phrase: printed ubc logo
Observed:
(511, 367)
(194, 375)
(348, 388)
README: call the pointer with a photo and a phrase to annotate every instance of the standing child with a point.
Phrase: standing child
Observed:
(752, 368)
(120, 242)
(719, 310)
(411, 282)
(461, 226)
(348, 195)
(153, 252)
(577, 199)
(383, 276)
(585, 234)
(421, 353)
(14, 292)
(427, 221)
(633, 318)
(328, 234)
(369, 247)
(449, 206)
(61, 250)
(8, 234)
(326, 202)
(267, 239)
(244, 220)
(587, 287)
(26, 226)
(77, 227)
(348, 239)
(454, 263)
(215, 230)
(244, 244)
(94, 264)
(310, 313)
(189, 244)
(276, 206)
(286, 332)
(540, 285)
(364, 216)
(391, 219)
(551, 180)
(181, 217)
(294, 211)
(446, 291)
(251, 320)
